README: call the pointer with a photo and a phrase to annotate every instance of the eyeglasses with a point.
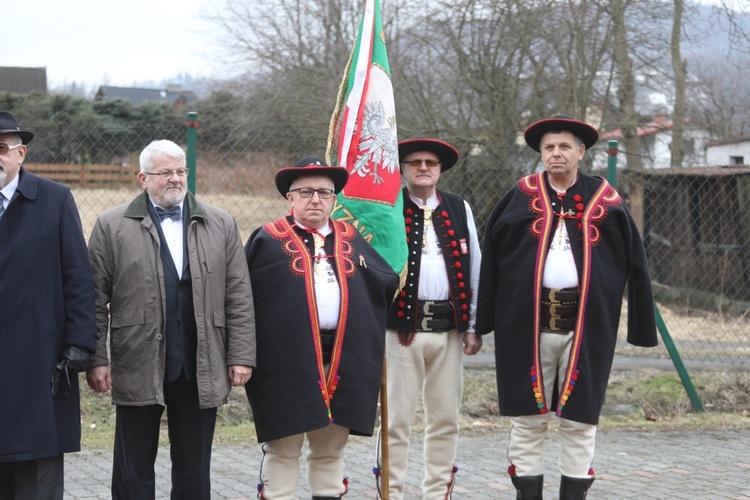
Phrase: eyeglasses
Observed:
(5, 147)
(418, 163)
(167, 174)
(323, 193)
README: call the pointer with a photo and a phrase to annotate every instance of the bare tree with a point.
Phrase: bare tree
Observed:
(626, 91)
(677, 148)
(721, 96)
(293, 53)
(478, 71)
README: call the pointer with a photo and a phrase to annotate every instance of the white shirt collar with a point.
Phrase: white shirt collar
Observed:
(432, 202)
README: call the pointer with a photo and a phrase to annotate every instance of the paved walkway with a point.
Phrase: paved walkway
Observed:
(630, 465)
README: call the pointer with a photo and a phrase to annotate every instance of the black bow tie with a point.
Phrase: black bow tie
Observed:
(173, 213)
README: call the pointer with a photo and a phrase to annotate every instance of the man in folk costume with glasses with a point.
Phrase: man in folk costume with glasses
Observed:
(559, 249)
(432, 321)
(321, 295)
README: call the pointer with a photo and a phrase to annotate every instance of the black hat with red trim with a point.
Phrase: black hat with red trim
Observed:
(448, 154)
(587, 133)
(310, 165)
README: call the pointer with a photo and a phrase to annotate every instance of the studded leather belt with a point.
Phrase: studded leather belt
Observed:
(559, 309)
(435, 316)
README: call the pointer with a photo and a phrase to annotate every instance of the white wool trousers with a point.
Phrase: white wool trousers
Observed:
(528, 433)
(430, 365)
(325, 463)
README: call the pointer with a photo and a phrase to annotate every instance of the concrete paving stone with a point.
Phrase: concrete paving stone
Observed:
(629, 464)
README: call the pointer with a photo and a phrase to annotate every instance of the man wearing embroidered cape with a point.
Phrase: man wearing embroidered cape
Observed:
(559, 249)
(321, 302)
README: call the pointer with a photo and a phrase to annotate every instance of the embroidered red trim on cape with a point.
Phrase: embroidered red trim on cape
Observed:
(301, 265)
(592, 215)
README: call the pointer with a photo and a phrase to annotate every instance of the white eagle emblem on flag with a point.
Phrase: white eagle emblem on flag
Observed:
(378, 146)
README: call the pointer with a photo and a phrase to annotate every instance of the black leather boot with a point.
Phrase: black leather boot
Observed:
(326, 498)
(574, 488)
(528, 487)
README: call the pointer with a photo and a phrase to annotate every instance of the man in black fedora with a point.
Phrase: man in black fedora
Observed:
(559, 249)
(48, 329)
(321, 295)
(432, 321)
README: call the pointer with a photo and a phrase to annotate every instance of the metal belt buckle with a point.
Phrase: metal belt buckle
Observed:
(554, 316)
(553, 323)
(425, 328)
(427, 306)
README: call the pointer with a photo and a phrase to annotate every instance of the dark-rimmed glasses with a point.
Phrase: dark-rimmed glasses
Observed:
(323, 193)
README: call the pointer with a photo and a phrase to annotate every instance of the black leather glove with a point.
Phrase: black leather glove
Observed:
(74, 359)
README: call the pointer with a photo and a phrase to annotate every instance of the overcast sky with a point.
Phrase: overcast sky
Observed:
(120, 42)
(117, 42)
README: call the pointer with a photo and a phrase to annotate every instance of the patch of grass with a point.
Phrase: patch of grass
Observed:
(637, 399)
(97, 418)
(233, 423)
(660, 396)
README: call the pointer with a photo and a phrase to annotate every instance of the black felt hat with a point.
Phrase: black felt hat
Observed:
(9, 125)
(310, 165)
(448, 154)
(587, 133)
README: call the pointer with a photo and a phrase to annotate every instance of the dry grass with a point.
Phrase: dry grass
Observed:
(251, 211)
(643, 399)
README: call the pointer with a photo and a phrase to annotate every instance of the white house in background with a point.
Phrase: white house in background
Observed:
(655, 137)
(726, 153)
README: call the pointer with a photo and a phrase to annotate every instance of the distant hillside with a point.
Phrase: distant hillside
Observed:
(710, 33)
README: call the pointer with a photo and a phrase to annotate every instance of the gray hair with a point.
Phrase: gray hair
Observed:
(160, 148)
(13, 139)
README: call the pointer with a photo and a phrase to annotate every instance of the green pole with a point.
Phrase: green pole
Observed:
(677, 361)
(192, 140)
(612, 163)
(660, 325)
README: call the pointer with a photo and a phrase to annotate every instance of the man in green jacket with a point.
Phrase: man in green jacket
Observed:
(173, 292)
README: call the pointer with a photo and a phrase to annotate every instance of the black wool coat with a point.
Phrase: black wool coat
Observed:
(608, 253)
(47, 301)
(290, 392)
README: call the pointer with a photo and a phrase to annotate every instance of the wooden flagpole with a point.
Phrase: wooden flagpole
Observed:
(384, 471)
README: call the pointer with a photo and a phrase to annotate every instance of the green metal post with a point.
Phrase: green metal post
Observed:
(192, 140)
(612, 163)
(677, 361)
(661, 326)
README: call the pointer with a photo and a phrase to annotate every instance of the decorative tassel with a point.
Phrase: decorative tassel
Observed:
(346, 486)
(451, 483)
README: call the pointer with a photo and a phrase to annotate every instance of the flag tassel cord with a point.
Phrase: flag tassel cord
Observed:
(340, 97)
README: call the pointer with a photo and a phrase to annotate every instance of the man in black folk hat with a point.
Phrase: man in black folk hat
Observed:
(559, 249)
(321, 295)
(432, 321)
(48, 327)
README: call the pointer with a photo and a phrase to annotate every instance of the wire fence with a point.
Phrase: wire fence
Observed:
(695, 221)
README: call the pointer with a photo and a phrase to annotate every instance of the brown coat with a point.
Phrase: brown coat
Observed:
(130, 302)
